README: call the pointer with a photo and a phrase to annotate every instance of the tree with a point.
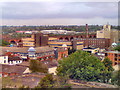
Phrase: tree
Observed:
(53, 82)
(117, 48)
(108, 70)
(82, 66)
(116, 78)
(46, 82)
(37, 66)
(4, 43)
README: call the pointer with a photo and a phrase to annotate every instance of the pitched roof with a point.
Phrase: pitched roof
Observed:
(25, 49)
(14, 58)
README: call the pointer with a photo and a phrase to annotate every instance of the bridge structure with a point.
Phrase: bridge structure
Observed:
(71, 37)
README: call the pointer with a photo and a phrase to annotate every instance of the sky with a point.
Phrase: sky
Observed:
(58, 13)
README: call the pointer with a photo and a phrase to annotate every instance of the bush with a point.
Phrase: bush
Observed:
(37, 66)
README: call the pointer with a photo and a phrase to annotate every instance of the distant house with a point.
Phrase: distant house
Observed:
(91, 50)
(3, 59)
(14, 60)
(61, 53)
(10, 60)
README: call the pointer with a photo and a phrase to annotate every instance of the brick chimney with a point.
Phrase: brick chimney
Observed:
(87, 37)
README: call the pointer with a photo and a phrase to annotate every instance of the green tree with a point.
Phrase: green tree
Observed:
(117, 48)
(46, 82)
(116, 78)
(37, 66)
(4, 43)
(53, 82)
(81, 65)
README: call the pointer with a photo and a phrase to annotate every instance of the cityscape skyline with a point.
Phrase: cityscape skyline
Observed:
(59, 13)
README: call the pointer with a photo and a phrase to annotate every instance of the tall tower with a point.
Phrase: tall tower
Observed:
(107, 27)
(87, 37)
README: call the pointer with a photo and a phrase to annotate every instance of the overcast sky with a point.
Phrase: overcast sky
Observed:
(59, 13)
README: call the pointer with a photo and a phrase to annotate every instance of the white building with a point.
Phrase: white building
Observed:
(3, 59)
(10, 60)
(57, 32)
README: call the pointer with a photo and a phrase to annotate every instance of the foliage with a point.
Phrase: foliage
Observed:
(116, 78)
(70, 51)
(108, 70)
(37, 66)
(53, 82)
(20, 35)
(117, 48)
(46, 82)
(4, 43)
(82, 66)
(108, 64)
(11, 29)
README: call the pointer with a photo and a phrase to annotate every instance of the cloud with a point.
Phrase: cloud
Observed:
(37, 10)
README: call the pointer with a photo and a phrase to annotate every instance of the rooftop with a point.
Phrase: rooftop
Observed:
(112, 52)
(13, 69)
(14, 58)
(25, 49)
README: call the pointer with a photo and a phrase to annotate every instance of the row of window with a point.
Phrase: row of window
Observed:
(116, 59)
(46, 58)
(11, 62)
(28, 43)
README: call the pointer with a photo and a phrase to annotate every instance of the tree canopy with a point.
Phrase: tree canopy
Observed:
(117, 48)
(116, 78)
(4, 43)
(37, 66)
(46, 82)
(82, 66)
(107, 75)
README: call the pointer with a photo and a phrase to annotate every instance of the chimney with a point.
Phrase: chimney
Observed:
(87, 38)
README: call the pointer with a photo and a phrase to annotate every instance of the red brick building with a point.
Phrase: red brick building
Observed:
(96, 42)
(90, 41)
(114, 56)
(62, 52)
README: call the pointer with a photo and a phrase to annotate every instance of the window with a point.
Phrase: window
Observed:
(115, 59)
(106, 54)
(115, 55)
(115, 63)
(4, 61)
(5, 57)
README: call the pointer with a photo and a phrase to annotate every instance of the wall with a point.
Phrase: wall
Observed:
(62, 53)
(40, 39)
(3, 58)
(28, 42)
(79, 44)
(114, 57)
(96, 42)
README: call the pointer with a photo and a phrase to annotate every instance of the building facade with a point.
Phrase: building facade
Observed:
(114, 56)
(36, 40)
(96, 42)
(70, 44)
(37, 53)
(108, 33)
(3, 59)
(10, 60)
